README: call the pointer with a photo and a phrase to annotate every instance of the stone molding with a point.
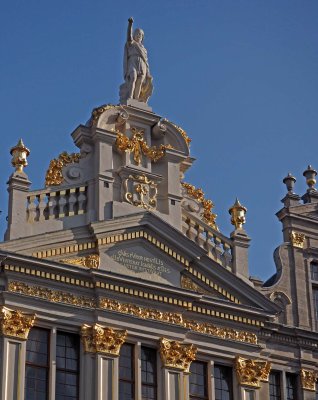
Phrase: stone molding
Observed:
(101, 339)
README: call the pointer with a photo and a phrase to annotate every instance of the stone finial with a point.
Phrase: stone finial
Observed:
(19, 154)
(310, 175)
(177, 355)
(289, 181)
(238, 212)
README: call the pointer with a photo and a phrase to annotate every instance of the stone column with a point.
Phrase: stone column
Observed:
(101, 346)
(250, 373)
(14, 327)
(18, 188)
(176, 359)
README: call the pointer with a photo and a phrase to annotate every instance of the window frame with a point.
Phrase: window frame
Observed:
(133, 380)
(38, 366)
(145, 384)
(275, 373)
(230, 374)
(206, 385)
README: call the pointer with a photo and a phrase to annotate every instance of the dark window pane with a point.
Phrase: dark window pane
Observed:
(314, 272)
(67, 366)
(148, 373)
(198, 381)
(126, 372)
(36, 368)
(291, 386)
(223, 382)
(274, 386)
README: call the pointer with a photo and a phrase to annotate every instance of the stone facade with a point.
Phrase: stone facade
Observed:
(118, 249)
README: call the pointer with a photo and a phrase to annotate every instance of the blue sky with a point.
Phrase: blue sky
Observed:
(239, 76)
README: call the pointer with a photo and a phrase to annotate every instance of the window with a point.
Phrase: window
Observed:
(316, 390)
(37, 365)
(274, 386)
(126, 372)
(291, 386)
(314, 272)
(198, 381)
(223, 382)
(67, 366)
(148, 373)
(315, 298)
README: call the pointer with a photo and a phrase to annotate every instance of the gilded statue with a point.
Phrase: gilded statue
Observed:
(138, 81)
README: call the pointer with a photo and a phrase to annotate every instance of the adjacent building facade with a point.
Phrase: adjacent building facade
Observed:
(116, 283)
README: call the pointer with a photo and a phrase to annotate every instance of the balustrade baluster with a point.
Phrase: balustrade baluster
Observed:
(81, 199)
(41, 206)
(52, 205)
(32, 209)
(62, 204)
(71, 202)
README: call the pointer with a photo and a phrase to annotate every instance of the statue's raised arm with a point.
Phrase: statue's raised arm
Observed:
(138, 81)
(129, 30)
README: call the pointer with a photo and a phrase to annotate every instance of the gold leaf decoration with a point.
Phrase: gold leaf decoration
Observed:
(98, 111)
(15, 323)
(54, 174)
(297, 239)
(138, 146)
(90, 261)
(177, 355)
(181, 131)
(252, 372)
(308, 379)
(207, 216)
(100, 339)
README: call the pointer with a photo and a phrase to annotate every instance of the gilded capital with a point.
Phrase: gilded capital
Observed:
(19, 154)
(297, 239)
(177, 355)
(252, 372)
(238, 212)
(15, 323)
(101, 339)
(308, 379)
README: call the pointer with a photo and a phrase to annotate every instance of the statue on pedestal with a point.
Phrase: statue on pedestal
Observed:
(138, 81)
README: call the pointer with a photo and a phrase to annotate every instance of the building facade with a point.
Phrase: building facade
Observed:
(116, 283)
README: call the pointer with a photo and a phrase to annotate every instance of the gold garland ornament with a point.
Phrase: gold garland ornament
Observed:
(181, 131)
(207, 216)
(54, 174)
(138, 146)
(90, 261)
(98, 111)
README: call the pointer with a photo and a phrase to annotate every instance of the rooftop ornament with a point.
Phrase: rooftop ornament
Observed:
(238, 212)
(289, 181)
(19, 154)
(310, 175)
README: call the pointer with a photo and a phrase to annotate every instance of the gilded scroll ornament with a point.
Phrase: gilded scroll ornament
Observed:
(138, 146)
(308, 379)
(207, 216)
(54, 296)
(297, 239)
(142, 192)
(98, 111)
(252, 372)
(177, 319)
(15, 323)
(181, 131)
(54, 174)
(187, 283)
(176, 354)
(19, 154)
(100, 339)
(90, 261)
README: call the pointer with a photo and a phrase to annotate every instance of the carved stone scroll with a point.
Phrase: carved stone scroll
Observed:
(252, 372)
(15, 323)
(100, 339)
(177, 355)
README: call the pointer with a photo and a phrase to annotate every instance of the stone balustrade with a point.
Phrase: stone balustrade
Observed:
(47, 205)
(219, 248)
